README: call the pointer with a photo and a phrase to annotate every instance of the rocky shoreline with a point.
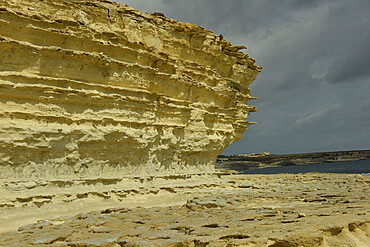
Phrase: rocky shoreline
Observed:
(239, 210)
(264, 160)
(110, 124)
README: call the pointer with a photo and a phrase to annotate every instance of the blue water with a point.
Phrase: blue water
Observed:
(353, 167)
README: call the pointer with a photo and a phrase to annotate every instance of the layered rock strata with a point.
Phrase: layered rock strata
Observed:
(92, 88)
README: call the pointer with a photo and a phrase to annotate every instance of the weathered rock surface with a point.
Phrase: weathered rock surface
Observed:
(307, 210)
(91, 88)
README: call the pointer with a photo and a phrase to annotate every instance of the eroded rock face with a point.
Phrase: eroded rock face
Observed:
(94, 88)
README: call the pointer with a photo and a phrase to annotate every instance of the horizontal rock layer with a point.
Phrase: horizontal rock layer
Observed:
(286, 210)
(94, 88)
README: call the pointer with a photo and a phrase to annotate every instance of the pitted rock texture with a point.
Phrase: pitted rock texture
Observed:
(284, 210)
(91, 88)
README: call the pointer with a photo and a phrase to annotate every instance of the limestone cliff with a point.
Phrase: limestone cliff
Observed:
(91, 88)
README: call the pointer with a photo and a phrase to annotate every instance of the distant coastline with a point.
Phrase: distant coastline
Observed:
(263, 160)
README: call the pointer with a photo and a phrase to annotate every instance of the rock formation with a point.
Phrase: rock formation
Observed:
(91, 88)
(283, 210)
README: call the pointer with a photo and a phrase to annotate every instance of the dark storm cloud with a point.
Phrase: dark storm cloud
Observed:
(349, 25)
(315, 84)
(353, 61)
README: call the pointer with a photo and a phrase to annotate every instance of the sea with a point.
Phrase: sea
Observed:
(345, 167)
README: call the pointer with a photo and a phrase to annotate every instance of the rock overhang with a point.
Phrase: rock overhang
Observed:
(99, 89)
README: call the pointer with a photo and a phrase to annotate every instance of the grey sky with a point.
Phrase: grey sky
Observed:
(314, 88)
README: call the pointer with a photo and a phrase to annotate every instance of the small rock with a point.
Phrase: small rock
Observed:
(245, 185)
(301, 215)
(29, 185)
(101, 230)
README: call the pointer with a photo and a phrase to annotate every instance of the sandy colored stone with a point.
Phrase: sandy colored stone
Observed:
(104, 106)
(110, 124)
(92, 88)
(307, 210)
